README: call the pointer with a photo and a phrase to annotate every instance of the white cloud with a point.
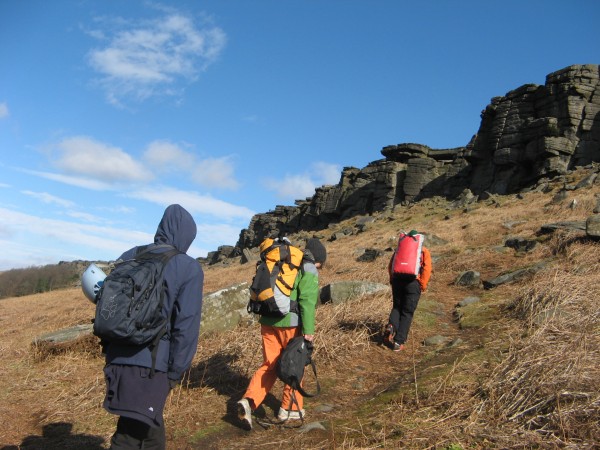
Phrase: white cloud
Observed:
(85, 156)
(167, 156)
(94, 165)
(81, 182)
(85, 216)
(214, 235)
(118, 209)
(325, 173)
(192, 201)
(210, 172)
(16, 255)
(215, 172)
(300, 186)
(49, 198)
(291, 186)
(148, 57)
(3, 110)
(60, 238)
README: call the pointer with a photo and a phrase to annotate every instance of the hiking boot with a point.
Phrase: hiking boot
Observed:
(388, 334)
(398, 347)
(284, 414)
(245, 413)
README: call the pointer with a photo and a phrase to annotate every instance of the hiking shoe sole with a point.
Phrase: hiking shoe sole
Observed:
(245, 413)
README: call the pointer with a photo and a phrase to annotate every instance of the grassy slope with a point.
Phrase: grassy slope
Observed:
(513, 380)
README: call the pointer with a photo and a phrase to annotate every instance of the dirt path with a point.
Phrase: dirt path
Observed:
(346, 390)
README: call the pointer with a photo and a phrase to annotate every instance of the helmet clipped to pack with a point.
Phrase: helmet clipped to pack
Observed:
(91, 282)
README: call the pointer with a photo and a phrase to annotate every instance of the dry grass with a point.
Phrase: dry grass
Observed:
(548, 386)
(527, 379)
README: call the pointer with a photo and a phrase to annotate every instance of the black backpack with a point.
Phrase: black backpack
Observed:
(130, 302)
(291, 363)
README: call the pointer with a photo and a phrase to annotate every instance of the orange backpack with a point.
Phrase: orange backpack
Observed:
(274, 280)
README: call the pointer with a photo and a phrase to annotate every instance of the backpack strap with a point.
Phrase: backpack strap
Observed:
(302, 391)
(293, 402)
(148, 250)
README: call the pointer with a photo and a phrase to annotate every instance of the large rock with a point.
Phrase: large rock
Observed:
(79, 338)
(65, 336)
(342, 291)
(592, 226)
(515, 275)
(225, 309)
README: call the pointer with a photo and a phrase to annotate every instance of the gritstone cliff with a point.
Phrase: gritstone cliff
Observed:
(532, 133)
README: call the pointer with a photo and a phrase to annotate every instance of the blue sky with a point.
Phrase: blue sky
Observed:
(112, 110)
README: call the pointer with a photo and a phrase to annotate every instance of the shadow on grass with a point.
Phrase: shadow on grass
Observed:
(374, 329)
(58, 436)
(216, 373)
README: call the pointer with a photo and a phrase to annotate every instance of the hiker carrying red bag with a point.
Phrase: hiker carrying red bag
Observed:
(409, 270)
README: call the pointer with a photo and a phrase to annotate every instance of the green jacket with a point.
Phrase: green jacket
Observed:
(306, 293)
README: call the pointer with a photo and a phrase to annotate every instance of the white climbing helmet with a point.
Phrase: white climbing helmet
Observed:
(91, 281)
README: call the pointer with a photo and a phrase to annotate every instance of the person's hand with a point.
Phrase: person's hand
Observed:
(309, 337)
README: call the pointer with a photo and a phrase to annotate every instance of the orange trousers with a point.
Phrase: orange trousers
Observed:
(274, 340)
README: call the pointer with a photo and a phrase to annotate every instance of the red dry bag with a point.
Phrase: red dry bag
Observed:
(406, 263)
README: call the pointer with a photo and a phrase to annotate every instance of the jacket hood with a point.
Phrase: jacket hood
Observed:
(176, 228)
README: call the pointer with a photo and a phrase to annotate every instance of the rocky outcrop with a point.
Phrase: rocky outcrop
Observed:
(532, 133)
(537, 131)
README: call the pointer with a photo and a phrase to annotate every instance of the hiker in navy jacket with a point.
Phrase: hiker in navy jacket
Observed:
(131, 392)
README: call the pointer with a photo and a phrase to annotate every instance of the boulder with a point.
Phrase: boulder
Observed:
(342, 291)
(521, 244)
(65, 336)
(369, 255)
(592, 226)
(468, 278)
(514, 275)
(567, 226)
(79, 338)
(225, 309)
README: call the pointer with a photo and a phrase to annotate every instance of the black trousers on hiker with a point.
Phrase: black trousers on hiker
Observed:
(133, 434)
(405, 295)
(138, 398)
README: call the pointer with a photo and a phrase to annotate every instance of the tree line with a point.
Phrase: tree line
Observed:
(34, 280)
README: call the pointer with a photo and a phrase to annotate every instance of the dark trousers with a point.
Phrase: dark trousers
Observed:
(138, 399)
(405, 295)
(133, 434)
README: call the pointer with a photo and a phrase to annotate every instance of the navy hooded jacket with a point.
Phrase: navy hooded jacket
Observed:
(184, 280)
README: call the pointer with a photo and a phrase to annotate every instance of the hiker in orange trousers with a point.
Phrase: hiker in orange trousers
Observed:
(276, 332)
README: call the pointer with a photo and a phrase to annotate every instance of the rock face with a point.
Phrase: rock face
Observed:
(537, 131)
(531, 133)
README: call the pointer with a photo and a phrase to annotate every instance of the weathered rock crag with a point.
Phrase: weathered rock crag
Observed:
(532, 133)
